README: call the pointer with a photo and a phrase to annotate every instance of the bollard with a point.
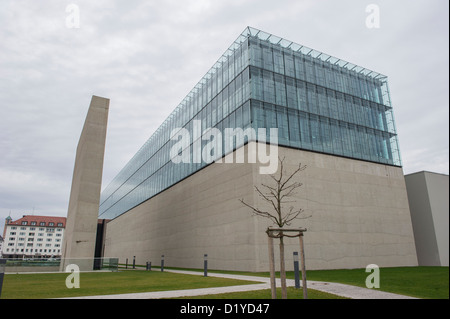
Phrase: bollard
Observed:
(126, 264)
(162, 262)
(205, 265)
(296, 271)
(149, 265)
(2, 272)
(134, 262)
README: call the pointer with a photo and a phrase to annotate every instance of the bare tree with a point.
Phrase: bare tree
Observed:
(277, 196)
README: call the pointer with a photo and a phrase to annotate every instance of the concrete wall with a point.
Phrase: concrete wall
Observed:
(429, 203)
(359, 216)
(82, 215)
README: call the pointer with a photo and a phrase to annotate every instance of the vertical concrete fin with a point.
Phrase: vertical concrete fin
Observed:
(82, 215)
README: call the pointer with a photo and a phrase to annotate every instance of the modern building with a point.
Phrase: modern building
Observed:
(428, 201)
(179, 195)
(33, 236)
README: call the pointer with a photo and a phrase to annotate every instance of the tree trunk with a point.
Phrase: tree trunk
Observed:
(302, 258)
(273, 285)
(282, 270)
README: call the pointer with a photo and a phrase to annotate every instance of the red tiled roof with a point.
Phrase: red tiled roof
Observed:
(39, 220)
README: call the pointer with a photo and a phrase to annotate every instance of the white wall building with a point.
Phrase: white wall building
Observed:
(33, 236)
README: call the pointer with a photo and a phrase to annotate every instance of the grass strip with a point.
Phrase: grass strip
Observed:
(53, 285)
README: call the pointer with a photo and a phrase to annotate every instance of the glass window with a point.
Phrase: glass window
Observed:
(269, 87)
(282, 124)
(246, 115)
(246, 85)
(299, 67)
(336, 137)
(267, 58)
(256, 84)
(323, 102)
(316, 141)
(225, 102)
(325, 135)
(256, 54)
(280, 90)
(289, 64)
(278, 61)
(232, 96)
(312, 98)
(291, 93)
(302, 96)
(294, 128)
(305, 134)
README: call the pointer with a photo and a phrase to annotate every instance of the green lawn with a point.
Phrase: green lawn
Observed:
(38, 286)
(292, 293)
(422, 282)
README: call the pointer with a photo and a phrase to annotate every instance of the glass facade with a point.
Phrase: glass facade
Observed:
(317, 102)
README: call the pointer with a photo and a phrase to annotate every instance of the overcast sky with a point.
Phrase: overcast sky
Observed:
(147, 55)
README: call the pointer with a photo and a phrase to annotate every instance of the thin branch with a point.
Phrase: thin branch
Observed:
(276, 195)
(267, 199)
(259, 212)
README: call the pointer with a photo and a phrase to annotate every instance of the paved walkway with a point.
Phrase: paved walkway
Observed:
(348, 291)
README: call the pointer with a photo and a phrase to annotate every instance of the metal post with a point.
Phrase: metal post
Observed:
(273, 285)
(162, 262)
(126, 264)
(205, 265)
(296, 271)
(149, 266)
(302, 258)
(2, 272)
(134, 262)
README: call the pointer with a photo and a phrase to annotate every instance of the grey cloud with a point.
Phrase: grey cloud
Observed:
(146, 56)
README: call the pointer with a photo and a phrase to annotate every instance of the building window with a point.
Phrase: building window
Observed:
(24, 223)
(42, 224)
(33, 223)
(60, 224)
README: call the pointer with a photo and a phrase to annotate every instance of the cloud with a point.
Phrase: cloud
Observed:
(147, 55)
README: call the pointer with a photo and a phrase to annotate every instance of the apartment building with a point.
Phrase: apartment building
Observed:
(33, 237)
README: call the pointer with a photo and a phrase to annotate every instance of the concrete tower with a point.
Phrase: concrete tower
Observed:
(82, 215)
